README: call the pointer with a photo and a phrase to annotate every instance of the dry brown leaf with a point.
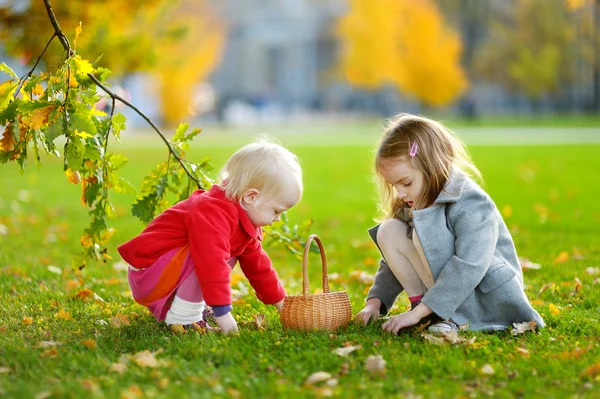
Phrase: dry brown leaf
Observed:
(118, 368)
(576, 353)
(62, 315)
(375, 364)
(591, 371)
(346, 350)
(592, 271)
(527, 264)
(27, 321)
(524, 352)
(8, 141)
(52, 352)
(146, 358)
(438, 340)
(119, 321)
(520, 328)
(578, 286)
(48, 344)
(259, 321)
(317, 377)
(545, 287)
(487, 370)
(90, 343)
(4, 370)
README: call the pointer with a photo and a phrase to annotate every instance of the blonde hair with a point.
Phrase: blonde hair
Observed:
(439, 150)
(264, 165)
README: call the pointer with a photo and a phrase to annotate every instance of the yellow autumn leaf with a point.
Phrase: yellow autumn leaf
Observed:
(78, 31)
(591, 371)
(38, 90)
(73, 176)
(63, 315)
(554, 309)
(83, 66)
(7, 143)
(40, 116)
(507, 211)
(84, 135)
(27, 321)
(562, 257)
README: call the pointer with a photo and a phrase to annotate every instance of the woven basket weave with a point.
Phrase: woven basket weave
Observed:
(326, 311)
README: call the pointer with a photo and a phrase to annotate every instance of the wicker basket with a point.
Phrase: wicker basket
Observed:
(326, 311)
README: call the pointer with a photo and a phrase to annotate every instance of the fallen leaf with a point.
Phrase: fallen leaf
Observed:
(48, 344)
(90, 343)
(507, 211)
(118, 368)
(54, 269)
(375, 364)
(520, 328)
(62, 315)
(119, 321)
(545, 287)
(527, 264)
(52, 352)
(5, 370)
(146, 358)
(554, 309)
(576, 353)
(487, 369)
(592, 271)
(345, 351)
(578, 286)
(591, 371)
(259, 321)
(524, 352)
(27, 321)
(562, 257)
(438, 340)
(317, 377)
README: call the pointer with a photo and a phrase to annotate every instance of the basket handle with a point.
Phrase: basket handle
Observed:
(305, 288)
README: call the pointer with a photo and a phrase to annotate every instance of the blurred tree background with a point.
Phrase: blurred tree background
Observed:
(505, 56)
(178, 41)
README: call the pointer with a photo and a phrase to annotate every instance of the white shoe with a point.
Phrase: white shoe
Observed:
(443, 327)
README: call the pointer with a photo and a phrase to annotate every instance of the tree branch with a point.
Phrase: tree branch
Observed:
(65, 43)
(28, 74)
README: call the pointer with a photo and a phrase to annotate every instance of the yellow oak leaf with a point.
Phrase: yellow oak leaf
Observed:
(40, 116)
(8, 141)
(73, 176)
(554, 309)
(84, 135)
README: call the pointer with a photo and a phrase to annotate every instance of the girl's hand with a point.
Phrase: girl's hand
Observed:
(370, 312)
(227, 323)
(395, 323)
(278, 305)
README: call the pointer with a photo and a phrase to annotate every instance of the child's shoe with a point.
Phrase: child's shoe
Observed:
(200, 326)
(208, 314)
(443, 327)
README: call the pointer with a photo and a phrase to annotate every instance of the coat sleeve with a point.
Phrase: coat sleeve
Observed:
(209, 231)
(386, 287)
(476, 230)
(257, 267)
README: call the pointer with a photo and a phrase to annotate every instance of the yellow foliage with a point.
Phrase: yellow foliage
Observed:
(405, 43)
(187, 61)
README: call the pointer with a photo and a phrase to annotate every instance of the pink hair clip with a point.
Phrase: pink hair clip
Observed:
(413, 149)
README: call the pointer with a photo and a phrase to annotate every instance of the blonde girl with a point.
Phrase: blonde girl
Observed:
(443, 241)
(182, 260)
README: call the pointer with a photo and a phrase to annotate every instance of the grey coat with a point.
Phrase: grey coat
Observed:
(478, 278)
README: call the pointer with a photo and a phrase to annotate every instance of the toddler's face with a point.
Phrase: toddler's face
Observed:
(269, 211)
(407, 180)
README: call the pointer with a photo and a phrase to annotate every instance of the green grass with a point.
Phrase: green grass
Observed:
(552, 191)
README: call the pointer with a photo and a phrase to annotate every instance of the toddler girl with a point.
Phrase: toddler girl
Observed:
(182, 260)
(444, 241)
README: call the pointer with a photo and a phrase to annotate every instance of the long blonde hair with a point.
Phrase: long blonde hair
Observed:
(264, 165)
(439, 150)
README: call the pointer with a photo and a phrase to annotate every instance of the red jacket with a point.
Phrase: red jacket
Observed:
(216, 230)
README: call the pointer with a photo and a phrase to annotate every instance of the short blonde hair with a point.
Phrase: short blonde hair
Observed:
(264, 165)
(439, 150)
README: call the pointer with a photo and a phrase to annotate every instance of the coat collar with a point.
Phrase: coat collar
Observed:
(254, 232)
(453, 189)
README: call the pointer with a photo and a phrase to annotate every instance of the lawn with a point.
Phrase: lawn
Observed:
(58, 340)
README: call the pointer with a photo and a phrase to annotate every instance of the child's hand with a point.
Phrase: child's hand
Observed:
(279, 305)
(395, 323)
(227, 323)
(370, 312)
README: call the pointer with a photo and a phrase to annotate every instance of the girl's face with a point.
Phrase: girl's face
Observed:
(407, 180)
(268, 211)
